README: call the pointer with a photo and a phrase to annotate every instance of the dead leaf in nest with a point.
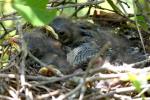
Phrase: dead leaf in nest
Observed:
(107, 19)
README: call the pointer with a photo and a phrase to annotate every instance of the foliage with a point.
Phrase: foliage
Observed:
(113, 5)
(141, 9)
(34, 11)
(133, 78)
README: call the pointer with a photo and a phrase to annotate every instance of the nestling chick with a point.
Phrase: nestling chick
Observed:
(46, 49)
(40, 44)
(67, 31)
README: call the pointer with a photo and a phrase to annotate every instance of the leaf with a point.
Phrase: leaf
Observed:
(142, 22)
(143, 8)
(133, 78)
(16, 46)
(115, 8)
(34, 11)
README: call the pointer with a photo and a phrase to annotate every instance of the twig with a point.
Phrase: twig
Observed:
(62, 97)
(24, 52)
(5, 31)
(36, 59)
(145, 98)
(8, 15)
(44, 96)
(11, 76)
(75, 5)
(10, 64)
(2, 97)
(136, 22)
(142, 92)
(76, 11)
(117, 91)
(120, 3)
(122, 97)
(82, 93)
(9, 18)
(55, 70)
(23, 55)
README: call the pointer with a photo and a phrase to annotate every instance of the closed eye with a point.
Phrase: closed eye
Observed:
(62, 33)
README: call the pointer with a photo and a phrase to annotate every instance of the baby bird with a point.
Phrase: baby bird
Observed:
(46, 49)
(77, 36)
(69, 33)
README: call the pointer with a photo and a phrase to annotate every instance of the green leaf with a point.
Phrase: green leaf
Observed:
(133, 78)
(115, 8)
(34, 11)
(141, 21)
(142, 8)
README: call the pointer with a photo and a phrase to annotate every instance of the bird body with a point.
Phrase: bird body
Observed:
(46, 49)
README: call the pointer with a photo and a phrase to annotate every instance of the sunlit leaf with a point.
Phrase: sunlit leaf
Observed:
(115, 8)
(34, 11)
(16, 46)
(133, 78)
